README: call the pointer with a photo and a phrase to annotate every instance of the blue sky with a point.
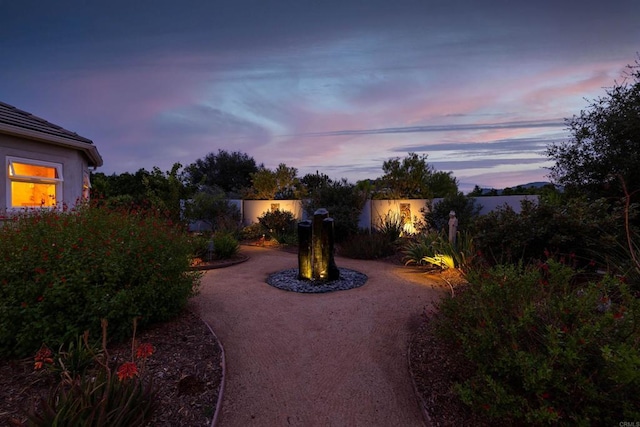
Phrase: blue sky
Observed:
(336, 86)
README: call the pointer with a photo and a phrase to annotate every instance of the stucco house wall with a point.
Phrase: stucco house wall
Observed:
(27, 137)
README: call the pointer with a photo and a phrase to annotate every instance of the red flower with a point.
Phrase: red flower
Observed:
(619, 314)
(144, 350)
(127, 370)
(43, 356)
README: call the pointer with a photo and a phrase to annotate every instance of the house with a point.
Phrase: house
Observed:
(45, 165)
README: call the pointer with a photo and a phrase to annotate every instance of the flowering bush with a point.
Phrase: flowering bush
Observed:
(97, 397)
(543, 345)
(61, 272)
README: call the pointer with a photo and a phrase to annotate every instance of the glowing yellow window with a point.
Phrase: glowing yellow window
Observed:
(34, 184)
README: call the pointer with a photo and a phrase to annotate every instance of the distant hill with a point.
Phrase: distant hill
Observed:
(529, 188)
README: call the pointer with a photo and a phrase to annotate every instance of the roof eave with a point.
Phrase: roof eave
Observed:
(95, 160)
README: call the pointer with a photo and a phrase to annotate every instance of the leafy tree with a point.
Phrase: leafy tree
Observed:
(465, 207)
(161, 191)
(344, 203)
(312, 182)
(213, 208)
(114, 185)
(282, 183)
(229, 171)
(605, 143)
(263, 185)
(165, 190)
(476, 192)
(413, 178)
(443, 184)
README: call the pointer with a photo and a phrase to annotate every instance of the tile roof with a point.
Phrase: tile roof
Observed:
(19, 122)
(16, 117)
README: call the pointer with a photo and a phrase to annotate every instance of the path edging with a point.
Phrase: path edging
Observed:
(223, 365)
(421, 401)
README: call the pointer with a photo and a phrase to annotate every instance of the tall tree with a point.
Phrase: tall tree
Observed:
(159, 190)
(413, 178)
(604, 146)
(231, 172)
(315, 181)
(344, 203)
(282, 183)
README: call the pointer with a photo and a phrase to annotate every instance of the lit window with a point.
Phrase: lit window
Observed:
(86, 185)
(33, 183)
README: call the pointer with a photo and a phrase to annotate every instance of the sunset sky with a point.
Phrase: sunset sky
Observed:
(482, 87)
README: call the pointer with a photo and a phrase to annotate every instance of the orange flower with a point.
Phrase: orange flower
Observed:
(43, 356)
(127, 370)
(144, 350)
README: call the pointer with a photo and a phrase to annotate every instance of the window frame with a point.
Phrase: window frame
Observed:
(57, 181)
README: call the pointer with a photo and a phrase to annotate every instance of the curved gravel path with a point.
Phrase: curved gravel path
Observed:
(333, 359)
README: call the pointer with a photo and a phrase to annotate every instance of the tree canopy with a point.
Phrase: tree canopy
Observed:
(231, 172)
(604, 146)
(413, 178)
(281, 183)
(157, 189)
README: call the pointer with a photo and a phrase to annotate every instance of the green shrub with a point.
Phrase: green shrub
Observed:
(365, 245)
(253, 231)
(62, 272)
(538, 345)
(279, 225)
(202, 247)
(224, 245)
(588, 229)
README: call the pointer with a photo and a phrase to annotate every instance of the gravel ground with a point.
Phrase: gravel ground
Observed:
(301, 359)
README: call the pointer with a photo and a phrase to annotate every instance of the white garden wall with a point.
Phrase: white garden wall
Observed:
(374, 211)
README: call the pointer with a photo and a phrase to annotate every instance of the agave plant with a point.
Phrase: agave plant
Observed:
(442, 261)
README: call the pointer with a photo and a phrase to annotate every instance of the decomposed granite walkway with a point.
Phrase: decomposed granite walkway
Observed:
(333, 359)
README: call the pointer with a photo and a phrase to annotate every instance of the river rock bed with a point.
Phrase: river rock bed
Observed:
(287, 280)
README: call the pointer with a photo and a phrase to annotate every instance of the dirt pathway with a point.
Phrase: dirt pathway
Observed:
(335, 359)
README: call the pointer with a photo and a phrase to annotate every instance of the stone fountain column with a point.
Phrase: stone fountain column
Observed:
(316, 246)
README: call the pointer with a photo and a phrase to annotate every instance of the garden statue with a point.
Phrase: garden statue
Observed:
(315, 248)
(453, 227)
